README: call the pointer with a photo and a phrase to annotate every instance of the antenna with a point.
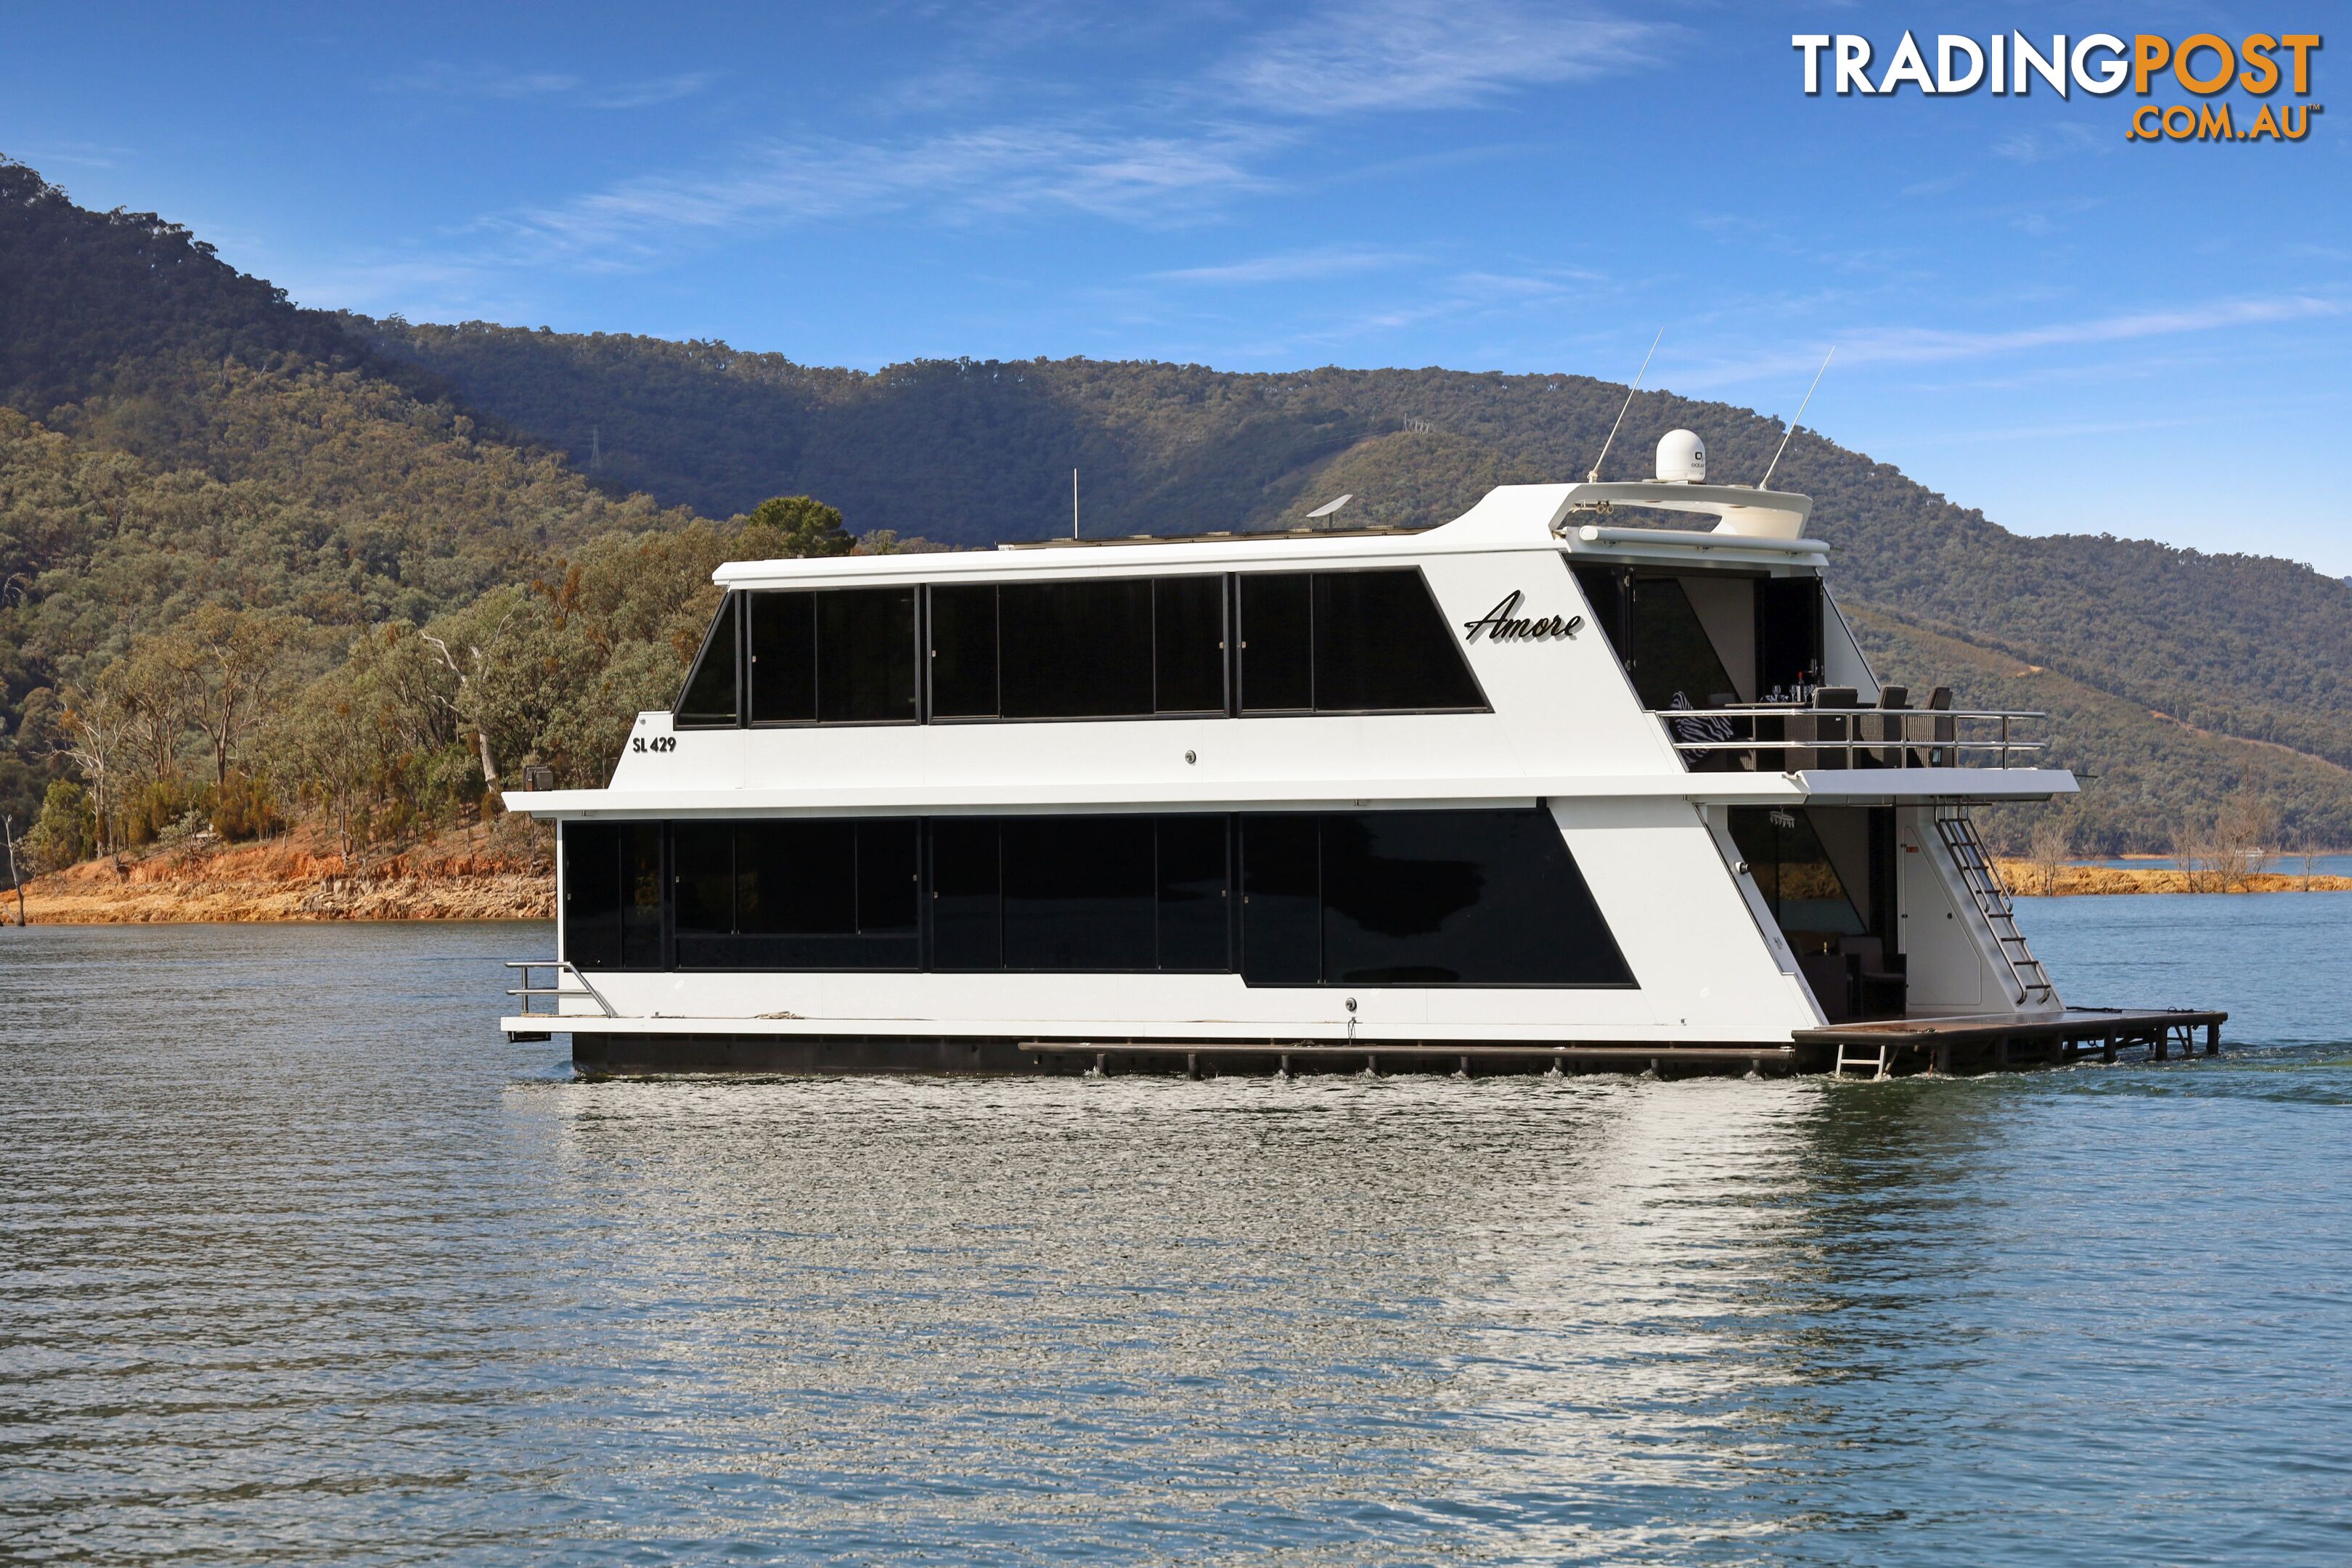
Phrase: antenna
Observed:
(1800, 414)
(1073, 503)
(1594, 477)
(1330, 507)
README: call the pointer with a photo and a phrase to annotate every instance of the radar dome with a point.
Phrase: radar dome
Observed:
(1681, 458)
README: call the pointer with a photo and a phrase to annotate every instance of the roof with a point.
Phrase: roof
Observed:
(1758, 526)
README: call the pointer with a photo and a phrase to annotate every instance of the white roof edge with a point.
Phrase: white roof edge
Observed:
(1507, 517)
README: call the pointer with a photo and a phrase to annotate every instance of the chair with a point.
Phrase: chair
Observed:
(1892, 699)
(1829, 724)
(1879, 981)
(1946, 731)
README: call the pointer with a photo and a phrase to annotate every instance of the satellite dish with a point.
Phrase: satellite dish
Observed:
(1328, 507)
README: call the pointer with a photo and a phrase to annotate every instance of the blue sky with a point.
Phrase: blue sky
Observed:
(2031, 315)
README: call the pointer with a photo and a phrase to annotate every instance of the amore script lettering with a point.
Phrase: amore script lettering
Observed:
(1505, 624)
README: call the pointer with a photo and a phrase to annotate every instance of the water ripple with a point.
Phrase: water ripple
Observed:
(302, 1263)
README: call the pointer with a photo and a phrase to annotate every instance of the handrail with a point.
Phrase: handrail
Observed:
(562, 967)
(1890, 737)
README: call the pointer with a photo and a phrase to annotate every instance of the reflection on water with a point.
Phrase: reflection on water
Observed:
(301, 1262)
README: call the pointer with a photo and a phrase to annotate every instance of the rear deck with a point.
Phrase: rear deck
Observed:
(1993, 1044)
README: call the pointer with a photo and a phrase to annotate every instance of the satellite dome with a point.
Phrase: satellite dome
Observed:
(1681, 458)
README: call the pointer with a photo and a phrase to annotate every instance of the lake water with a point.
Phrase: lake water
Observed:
(300, 1262)
(2328, 865)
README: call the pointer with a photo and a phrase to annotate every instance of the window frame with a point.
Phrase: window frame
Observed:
(730, 608)
(1238, 635)
(921, 645)
(1232, 647)
(1225, 649)
(920, 944)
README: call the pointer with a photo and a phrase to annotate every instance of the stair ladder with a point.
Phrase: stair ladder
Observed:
(1879, 1059)
(1976, 868)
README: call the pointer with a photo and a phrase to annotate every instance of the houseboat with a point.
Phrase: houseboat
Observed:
(1547, 787)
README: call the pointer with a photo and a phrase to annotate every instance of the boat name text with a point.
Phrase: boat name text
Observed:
(1505, 624)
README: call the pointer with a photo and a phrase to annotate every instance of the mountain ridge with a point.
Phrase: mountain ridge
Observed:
(175, 435)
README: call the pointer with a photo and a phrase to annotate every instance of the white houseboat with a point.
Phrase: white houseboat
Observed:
(1537, 788)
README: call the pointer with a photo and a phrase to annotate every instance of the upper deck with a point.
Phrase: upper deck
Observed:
(1540, 644)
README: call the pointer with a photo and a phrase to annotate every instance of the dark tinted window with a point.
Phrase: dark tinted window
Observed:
(1281, 944)
(1188, 631)
(866, 655)
(1078, 892)
(1194, 907)
(1788, 632)
(703, 855)
(784, 658)
(1672, 654)
(1380, 643)
(1278, 636)
(642, 895)
(888, 876)
(795, 895)
(965, 888)
(1795, 874)
(591, 894)
(1610, 591)
(800, 879)
(1407, 898)
(1071, 650)
(964, 652)
(1459, 898)
(709, 696)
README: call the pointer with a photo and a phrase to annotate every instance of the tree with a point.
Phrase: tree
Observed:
(94, 725)
(156, 688)
(2051, 846)
(67, 830)
(472, 673)
(331, 741)
(243, 653)
(807, 525)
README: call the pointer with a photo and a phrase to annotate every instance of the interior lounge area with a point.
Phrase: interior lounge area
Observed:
(1829, 874)
(1742, 654)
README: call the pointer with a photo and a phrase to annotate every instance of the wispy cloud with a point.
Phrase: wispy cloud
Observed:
(1008, 169)
(2058, 139)
(1427, 54)
(441, 79)
(1922, 345)
(1177, 152)
(78, 154)
(1288, 267)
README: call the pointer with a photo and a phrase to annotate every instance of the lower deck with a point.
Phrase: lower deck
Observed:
(1895, 1046)
(1886, 1049)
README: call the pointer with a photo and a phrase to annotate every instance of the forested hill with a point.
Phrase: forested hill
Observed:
(973, 452)
(175, 435)
(255, 559)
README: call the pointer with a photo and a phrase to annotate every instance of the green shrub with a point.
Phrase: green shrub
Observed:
(244, 807)
(66, 831)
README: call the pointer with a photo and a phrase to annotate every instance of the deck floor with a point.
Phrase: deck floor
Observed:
(2074, 1024)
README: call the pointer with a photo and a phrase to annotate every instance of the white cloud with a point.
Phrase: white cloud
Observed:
(1288, 267)
(2056, 139)
(1007, 169)
(443, 79)
(1428, 54)
(1924, 345)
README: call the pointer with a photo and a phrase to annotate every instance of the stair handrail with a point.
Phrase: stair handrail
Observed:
(561, 966)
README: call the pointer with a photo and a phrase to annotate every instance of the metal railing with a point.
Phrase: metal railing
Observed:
(557, 991)
(1784, 737)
